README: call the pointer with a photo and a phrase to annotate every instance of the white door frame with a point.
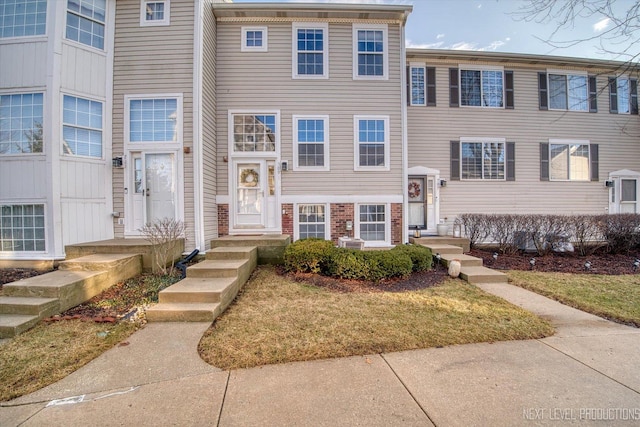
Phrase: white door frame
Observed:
(131, 229)
(426, 173)
(615, 189)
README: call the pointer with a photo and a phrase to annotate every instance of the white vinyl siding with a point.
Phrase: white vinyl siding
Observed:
(21, 123)
(310, 50)
(85, 22)
(23, 18)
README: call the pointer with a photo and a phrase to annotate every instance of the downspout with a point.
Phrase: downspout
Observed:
(198, 190)
(405, 153)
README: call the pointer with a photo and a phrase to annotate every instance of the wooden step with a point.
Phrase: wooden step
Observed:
(198, 290)
(465, 260)
(14, 324)
(232, 252)
(475, 275)
(183, 312)
(42, 307)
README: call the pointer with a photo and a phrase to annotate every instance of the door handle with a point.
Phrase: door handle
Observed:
(147, 192)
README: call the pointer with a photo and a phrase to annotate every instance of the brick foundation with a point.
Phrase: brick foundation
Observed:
(287, 219)
(223, 220)
(396, 223)
(340, 214)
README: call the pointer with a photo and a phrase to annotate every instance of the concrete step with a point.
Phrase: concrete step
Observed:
(198, 290)
(232, 252)
(465, 260)
(14, 324)
(211, 268)
(475, 275)
(42, 307)
(183, 312)
(270, 246)
(99, 262)
(441, 240)
(443, 249)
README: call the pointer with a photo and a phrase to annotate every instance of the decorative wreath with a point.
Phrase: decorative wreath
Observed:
(414, 190)
(249, 177)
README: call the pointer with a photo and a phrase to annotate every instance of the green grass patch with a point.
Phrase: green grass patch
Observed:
(277, 320)
(613, 297)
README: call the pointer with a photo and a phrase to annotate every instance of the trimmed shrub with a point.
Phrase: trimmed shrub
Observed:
(621, 232)
(421, 257)
(368, 265)
(348, 264)
(308, 255)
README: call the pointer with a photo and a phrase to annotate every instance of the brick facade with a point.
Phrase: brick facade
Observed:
(340, 214)
(396, 223)
(287, 219)
(223, 220)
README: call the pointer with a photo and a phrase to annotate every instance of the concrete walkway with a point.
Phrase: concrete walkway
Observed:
(587, 374)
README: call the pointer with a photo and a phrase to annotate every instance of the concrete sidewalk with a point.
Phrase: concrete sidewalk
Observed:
(586, 374)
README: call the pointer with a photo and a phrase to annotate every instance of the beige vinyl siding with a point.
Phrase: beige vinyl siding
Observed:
(430, 130)
(154, 60)
(263, 81)
(209, 126)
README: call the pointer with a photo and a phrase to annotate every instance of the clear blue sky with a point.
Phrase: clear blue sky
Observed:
(489, 25)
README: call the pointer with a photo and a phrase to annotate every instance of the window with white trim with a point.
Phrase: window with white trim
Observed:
(22, 228)
(21, 123)
(155, 12)
(310, 50)
(482, 159)
(81, 127)
(372, 222)
(153, 119)
(312, 221)
(569, 161)
(311, 142)
(418, 85)
(85, 22)
(372, 142)
(481, 88)
(568, 92)
(254, 132)
(254, 39)
(23, 18)
(370, 51)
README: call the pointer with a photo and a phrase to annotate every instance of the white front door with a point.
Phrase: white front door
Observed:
(254, 197)
(422, 203)
(152, 194)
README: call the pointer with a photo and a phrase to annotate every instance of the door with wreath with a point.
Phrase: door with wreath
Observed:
(421, 196)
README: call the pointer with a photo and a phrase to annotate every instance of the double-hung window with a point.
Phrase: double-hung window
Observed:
(371, 142)
(623, 95)
(418, 93)
(23, 18)
(21, 123)
(373, 223)
(311, 142)
(311, 221)
(22, 228)
(254, 39)
(370, 51)
(81, 127)
(481, 88)
(85, 22)
(155, 12)
(569, 160)
(482, 159)
(568, 92)
(310, 50)
(154, 119)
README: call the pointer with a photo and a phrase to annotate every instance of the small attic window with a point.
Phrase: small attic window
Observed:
(154, 12)
(254, 39)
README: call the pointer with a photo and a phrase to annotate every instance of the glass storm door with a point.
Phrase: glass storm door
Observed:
(628, 196)
(249, 201)
(138, 192)
(422, 203)
(160, 183)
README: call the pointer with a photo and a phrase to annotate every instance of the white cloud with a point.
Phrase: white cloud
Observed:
(410, 45)
(494, 45)
(601, 25)
(440, 36)
(479, 6)
(464, 46)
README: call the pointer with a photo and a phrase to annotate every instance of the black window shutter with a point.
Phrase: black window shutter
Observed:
(593, 95)
(613, 95)
(454, 93)
(409, 85)
(508, 80)
(542, 91)
(593, 159)
(511, 161)
(633, 83)
(455, 161)
(544, 161)
(431, 86)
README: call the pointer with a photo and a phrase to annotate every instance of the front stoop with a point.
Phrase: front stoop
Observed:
(442, 240)
(208, 289)
(25, 302)
(270, 246)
